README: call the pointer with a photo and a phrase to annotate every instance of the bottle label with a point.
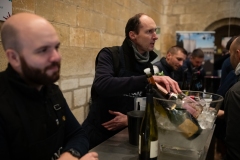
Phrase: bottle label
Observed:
(154, 149)
(139, 145)
(188, 128)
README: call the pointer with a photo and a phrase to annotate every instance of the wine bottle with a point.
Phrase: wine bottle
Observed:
(185, 122)
(158, 88)
(148, 135)
(181, 118)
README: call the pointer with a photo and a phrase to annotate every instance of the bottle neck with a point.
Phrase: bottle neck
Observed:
(164, 92)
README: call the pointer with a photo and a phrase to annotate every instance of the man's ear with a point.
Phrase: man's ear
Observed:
(132, 35)
(13, 58)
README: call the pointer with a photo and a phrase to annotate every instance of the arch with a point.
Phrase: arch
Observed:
(223, 22)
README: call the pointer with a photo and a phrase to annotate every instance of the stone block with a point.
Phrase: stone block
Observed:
(120, 29)
(77, 37)
(108, 40)
(107, 10)
(91, 20)
(23, 6)
(125, 14)
(79, 114)
(45, 8)
(187, 18)
(168, 9)
(169, 20)
(74, 2)
(92, 39)
(178, 9)
(16, 10)
(87, 4)
(80, 97)
(98, 6)
(111, 25)
(98, 22)
(200, 7)
(115, 7)
(77, 61)
(83, 17)
(170, 2)
(225, 6)
(68, 84)
(68, 97)
(63, 32)
(85, 81)
(65, 13)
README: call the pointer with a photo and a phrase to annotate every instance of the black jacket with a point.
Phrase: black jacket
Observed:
(232, 116)
(114, 92)
(35, 124)
(169, 71)
(189, 70)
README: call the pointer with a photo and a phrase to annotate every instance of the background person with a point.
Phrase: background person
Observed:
(171, 65)
(192, 65)
(35, 120)
(232, 107)
(115, 86)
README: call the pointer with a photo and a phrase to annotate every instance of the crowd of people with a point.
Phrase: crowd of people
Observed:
(35, 120)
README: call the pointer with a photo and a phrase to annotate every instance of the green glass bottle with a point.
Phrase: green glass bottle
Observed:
(181, 118)
(148, 135)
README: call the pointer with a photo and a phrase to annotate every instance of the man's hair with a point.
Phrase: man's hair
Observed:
(197, 53)
(10, 38)
(133, 24)
(175, 49)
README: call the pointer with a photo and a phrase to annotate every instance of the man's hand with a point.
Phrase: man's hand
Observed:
(220, 114)
(168, 83)
(116, 123)
(88, 156)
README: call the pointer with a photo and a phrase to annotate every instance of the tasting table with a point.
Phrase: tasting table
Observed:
(118, 148)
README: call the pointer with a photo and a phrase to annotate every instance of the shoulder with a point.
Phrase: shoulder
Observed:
(159, 63)
(108, 53)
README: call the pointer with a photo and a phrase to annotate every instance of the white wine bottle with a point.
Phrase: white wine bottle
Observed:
(181, 118)
(148, 135)
(158, 88)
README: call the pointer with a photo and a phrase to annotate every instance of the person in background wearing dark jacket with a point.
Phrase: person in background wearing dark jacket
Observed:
(171, 65)
(35, 120)
(193, 65)
(113, 90)
(228, 79)
(232, 107)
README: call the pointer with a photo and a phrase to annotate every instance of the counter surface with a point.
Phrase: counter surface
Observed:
(118, 148)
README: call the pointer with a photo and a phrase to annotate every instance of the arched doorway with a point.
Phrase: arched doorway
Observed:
(226, 27)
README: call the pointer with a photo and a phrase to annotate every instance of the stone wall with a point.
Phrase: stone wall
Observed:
(85, 26)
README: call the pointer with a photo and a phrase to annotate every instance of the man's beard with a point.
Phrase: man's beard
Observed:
(39, 77)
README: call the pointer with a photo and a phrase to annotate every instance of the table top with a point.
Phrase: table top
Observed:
(118, 148)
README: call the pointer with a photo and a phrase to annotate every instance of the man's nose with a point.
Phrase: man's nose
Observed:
(55, 57)
(155, 36)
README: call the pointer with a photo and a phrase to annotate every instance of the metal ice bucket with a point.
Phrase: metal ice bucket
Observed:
(171, 140)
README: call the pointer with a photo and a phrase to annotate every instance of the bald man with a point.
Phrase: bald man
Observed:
(35, 120)
(232, 107)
